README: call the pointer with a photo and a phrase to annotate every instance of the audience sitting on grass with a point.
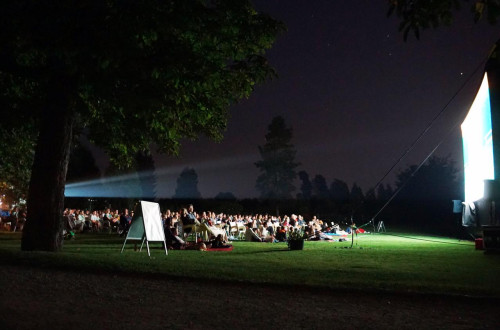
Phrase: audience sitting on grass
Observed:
(281, 234)
(218, 243)
(95, 220)
(172, 235)
(215, 229)
(250, 235)
(212, 226)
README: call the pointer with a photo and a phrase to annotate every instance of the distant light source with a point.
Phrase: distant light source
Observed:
(121, 186)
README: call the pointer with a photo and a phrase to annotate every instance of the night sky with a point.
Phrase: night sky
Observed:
(355, 94)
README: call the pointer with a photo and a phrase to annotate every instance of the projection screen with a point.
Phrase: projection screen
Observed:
(478, 145)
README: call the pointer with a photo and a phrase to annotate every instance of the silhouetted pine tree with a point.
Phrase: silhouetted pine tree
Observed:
(305, 187)
(278, 164)
(187, 185)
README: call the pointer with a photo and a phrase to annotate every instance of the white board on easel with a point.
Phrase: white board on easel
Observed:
(147, 225)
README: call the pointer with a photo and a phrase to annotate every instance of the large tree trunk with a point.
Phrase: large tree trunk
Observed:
(44, 225)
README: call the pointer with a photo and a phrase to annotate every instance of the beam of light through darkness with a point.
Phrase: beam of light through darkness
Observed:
(128, 185)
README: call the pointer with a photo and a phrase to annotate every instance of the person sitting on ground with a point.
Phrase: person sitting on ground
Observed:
(219, 243)
(96, 221)
(185, 220)
(268, 236)
(191, 215)
(69, 223)
(309, 231)
(269, 226)
(320, 236)
(87, 225)
(125, 220)
(251, 236)
(188, 217)
(172, 237)
(79, 221)
(204, 227)
(115, 220)
(335, 227)
(200, 246)
(281, 234)
(214, 231)
(168, 220)
(107, 218)
(300, 221)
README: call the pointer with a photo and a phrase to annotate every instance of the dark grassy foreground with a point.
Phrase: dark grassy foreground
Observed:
(376, 263)
(384, 282)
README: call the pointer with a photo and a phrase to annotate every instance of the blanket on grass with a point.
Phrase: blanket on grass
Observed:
(221, 249)
(336, 235)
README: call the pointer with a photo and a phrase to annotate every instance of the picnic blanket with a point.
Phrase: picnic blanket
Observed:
(221, 249)
(336, 235)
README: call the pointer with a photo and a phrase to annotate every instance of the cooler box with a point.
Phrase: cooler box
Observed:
(479, 244)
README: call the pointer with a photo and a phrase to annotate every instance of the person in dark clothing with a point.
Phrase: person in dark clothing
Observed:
(172, 238)
(188, 218)
(125, 220)
(219, 243)
(281, 234)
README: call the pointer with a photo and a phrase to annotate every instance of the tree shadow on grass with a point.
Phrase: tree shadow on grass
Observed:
(285, 249)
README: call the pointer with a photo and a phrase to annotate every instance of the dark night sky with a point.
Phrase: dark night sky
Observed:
(355, 94)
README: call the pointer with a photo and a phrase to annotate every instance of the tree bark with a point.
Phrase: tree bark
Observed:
(44, 225)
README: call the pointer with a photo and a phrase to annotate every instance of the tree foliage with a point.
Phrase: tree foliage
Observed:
(187, 185)
(137, 71)
(339, 191)
(417, 15)
(16, 158)
(425, 199)
(225, 196)
(82, 165)
(319, 187)
(356, 194)
(130, 73)
(278, 166)
(145, 167)
(306, 186)
(435, 180)
(384, 192)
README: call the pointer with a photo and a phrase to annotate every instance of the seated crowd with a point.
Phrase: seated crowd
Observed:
(212, 228)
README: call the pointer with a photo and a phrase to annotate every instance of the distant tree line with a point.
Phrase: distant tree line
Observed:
(424, 199)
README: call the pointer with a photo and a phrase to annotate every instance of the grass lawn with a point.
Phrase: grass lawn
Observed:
(377, 262)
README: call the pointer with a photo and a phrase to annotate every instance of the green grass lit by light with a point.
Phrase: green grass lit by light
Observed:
(376, 262)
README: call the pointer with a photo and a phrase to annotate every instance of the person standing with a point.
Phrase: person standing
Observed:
(13, 218)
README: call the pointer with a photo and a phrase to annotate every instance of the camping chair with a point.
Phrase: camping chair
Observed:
(233, 231)
(241, 230)
(193, 229)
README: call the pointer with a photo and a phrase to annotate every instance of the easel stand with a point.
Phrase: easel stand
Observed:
(146, 226)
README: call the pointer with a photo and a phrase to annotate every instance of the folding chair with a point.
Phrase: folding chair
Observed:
(233, 230)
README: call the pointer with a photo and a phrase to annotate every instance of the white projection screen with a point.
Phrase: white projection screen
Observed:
(152, 221)
(478, 144)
